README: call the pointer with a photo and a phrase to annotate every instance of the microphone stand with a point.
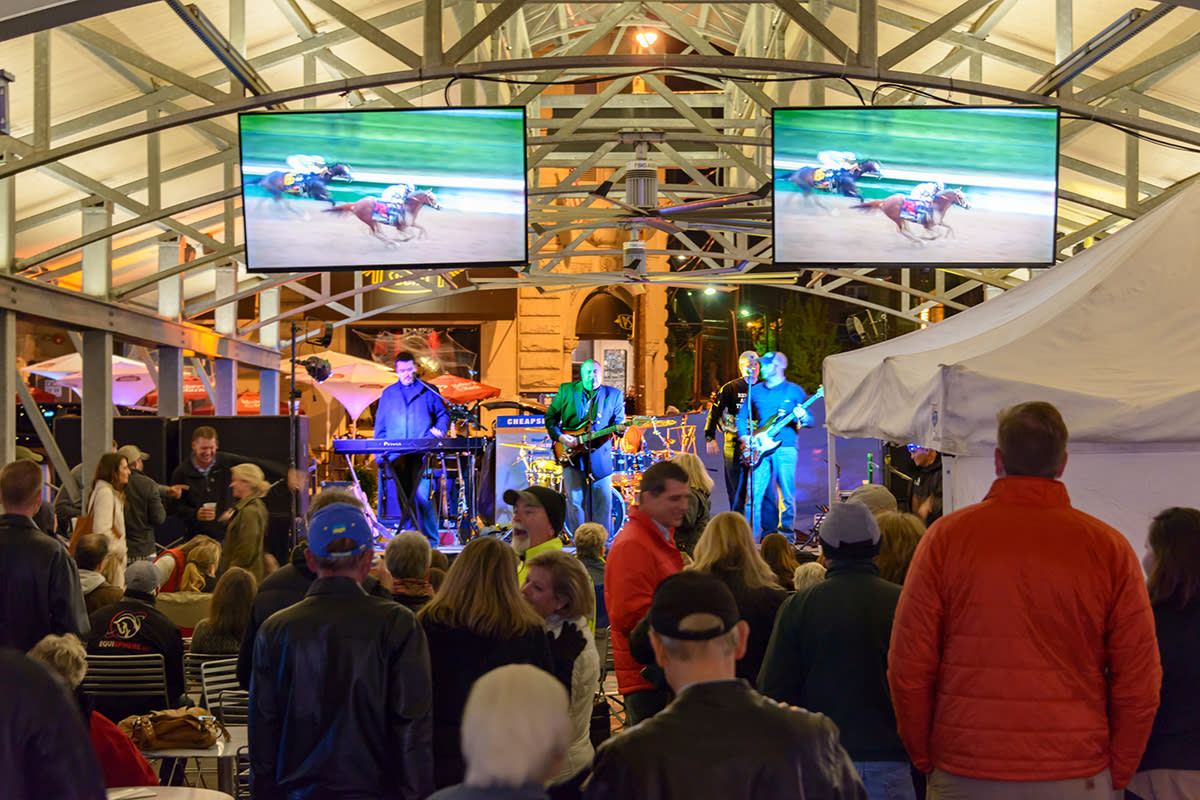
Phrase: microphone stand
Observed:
(755, 513)
(293, 446)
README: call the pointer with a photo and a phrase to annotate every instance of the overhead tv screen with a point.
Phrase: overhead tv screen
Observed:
(408, 188)
(889, 186)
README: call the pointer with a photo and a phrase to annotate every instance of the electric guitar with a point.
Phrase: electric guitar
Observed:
(591, 440)
(762, 441)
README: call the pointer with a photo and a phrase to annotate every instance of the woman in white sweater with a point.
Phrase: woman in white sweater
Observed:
(558, 587)
(106, 504)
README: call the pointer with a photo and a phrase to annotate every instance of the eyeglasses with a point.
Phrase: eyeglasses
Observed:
(912, 448)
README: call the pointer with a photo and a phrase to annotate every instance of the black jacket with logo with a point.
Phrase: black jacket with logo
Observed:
(134, 627)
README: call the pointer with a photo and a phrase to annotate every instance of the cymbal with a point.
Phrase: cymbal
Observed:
(542, 445)
(661, 423)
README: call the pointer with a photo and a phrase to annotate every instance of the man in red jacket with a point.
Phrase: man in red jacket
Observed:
(643, 553)
(1023, 648)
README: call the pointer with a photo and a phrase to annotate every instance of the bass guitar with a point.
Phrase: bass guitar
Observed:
(590, 440)
(762, 441)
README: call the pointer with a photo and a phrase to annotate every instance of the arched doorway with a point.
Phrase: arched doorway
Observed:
(604, 328)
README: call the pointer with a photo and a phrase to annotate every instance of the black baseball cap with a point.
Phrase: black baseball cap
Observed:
(544, 497)
(690, 592)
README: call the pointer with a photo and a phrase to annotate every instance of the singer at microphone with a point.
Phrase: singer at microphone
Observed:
(727, 402)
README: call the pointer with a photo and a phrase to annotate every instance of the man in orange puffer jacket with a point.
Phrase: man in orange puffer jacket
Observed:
(1023, 648)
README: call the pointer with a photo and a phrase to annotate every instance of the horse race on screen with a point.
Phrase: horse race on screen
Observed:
(904, 186)
(408, 188)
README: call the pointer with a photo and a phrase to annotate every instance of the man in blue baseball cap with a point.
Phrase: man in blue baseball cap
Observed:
(338, 673)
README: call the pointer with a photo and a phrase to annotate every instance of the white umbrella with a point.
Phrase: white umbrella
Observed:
(130, 382)
(353, 382)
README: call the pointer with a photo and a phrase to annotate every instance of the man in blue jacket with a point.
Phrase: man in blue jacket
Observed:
(411, 409)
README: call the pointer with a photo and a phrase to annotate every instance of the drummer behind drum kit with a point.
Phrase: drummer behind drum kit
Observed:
(631, 457)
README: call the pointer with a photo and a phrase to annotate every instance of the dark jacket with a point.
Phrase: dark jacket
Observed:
(284, 587)
(463, 792)
(687, 533)
(212, 487)
(143, 513)
(758, 607)
(459, 658)
(39, 586)
(397, 419)
(340, 699)
(45, 750)
(134, 627)
(722, 739)
(1175, 739)
(829, 654)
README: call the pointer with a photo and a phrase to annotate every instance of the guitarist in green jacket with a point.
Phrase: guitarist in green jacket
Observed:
(577, 409)
(767, 425)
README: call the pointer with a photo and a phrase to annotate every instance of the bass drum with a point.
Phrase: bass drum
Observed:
(618, 516)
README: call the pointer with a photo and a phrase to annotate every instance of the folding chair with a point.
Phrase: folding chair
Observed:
(124, 685)
(191, 673)
(225, 698)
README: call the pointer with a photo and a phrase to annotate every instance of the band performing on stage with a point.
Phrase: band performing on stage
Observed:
(435, 472)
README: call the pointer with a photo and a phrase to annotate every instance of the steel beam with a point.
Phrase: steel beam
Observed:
(225, 387)
(33, 299)
(170, 382)
(8, 404)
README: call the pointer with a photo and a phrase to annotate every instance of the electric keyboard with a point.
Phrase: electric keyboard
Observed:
(460, 444)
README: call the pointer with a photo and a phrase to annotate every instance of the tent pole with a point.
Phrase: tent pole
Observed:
(831, 458)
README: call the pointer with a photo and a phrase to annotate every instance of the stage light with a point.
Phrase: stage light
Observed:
(646, 39)
(710, 291)
(318, 369)
(745, 312)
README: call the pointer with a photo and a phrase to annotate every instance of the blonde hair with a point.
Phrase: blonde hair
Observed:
(589, 539)
(200, 561)
(63, 654)
(515, 727)
(481, 594)
(569, 581)
(810, 573)
(697, 475)
(899, 535)
(253, 475)
(727, 542)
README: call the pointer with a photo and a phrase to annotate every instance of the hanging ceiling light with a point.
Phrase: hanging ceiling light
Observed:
(646, 39)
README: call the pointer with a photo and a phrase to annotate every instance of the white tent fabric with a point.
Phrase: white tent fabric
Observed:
(131, 379)
(1108, 336)
(353, 382)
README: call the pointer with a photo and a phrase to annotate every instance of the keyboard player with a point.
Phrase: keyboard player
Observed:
(411, 409)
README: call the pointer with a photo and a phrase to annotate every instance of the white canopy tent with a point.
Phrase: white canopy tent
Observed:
(1109, 337)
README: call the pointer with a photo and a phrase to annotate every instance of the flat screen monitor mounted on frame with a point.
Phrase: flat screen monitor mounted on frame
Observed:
(316, 186)
(916, 185)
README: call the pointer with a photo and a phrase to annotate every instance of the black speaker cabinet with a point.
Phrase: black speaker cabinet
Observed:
(157, 436)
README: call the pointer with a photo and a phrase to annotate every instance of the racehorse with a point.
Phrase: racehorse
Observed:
(312, 186)
(941, 203)
(364, 209)
(837, 181)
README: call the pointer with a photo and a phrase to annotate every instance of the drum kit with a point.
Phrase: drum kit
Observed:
(633, 453)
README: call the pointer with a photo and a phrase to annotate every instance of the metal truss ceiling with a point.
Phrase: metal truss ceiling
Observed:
(134, 110)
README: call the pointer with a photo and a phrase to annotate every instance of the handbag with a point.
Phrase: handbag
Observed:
(191, 728)
(83, 525)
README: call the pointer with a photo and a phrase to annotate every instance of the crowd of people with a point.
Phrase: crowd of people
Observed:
(1015, 648)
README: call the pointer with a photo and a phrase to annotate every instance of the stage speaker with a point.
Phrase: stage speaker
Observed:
(157, 436)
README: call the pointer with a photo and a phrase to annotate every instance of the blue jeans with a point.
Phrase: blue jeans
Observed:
(886, 780)
(775, 469)
(573, 486)
(735, 486)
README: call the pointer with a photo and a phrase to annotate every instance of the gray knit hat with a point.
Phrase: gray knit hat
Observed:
(875, 497)
(849, 524)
